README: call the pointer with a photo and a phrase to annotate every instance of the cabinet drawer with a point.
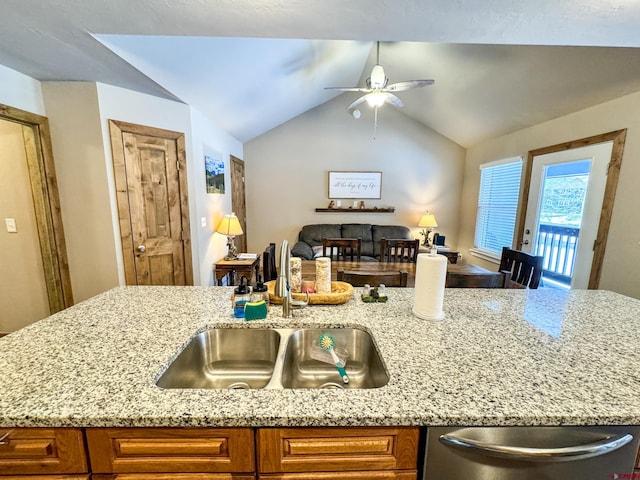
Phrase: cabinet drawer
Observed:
(380, 475)
(45, 477)
(140, 450)
(174, 476)
(287, 450)
(26, 451)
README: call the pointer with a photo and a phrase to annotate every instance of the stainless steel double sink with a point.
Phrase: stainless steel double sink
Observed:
(273, 358)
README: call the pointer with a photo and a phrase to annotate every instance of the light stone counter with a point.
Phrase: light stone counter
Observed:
(500, 357)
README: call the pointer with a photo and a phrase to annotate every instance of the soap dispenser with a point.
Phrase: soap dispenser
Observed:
(260, 291)
(241, 295)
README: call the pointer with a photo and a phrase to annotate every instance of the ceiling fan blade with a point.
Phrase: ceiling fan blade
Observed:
(357, 102)
(349, 89)
(409, 84)
(391, 99)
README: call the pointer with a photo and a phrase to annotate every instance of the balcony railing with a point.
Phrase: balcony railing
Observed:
(558, 245)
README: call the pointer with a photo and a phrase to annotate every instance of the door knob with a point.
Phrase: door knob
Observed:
(141, 248)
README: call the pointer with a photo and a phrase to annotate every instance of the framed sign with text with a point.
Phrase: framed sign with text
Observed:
(355, 184)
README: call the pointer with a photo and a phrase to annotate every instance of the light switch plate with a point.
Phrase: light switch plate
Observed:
(203, 221)
(11, 225)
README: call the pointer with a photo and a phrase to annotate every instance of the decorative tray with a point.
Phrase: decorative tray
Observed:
(341, 292)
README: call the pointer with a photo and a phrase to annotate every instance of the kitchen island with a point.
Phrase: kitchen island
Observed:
(500, 357)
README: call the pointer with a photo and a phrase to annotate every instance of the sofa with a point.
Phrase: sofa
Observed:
(309, 244)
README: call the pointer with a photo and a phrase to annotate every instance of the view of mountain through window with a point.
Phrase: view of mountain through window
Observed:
(563, 194)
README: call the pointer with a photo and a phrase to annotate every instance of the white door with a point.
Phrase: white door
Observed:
(590, 164)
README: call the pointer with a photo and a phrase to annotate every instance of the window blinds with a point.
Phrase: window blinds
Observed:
(497, 205)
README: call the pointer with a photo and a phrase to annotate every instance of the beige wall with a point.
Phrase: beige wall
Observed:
(76, 135)
(622, 258)
(287, 169)
(23, 292)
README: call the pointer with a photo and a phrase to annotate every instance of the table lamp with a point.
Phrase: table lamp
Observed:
(427, 222)
(230, 226)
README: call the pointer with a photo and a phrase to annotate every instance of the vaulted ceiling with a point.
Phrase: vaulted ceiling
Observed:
(252, 65)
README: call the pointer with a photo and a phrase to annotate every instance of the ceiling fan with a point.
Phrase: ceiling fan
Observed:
(378, 92)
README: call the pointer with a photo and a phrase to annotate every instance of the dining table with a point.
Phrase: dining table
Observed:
(309, 269)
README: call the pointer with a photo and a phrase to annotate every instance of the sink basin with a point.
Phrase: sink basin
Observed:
(225, 358)
(273, 358)
(364, 365)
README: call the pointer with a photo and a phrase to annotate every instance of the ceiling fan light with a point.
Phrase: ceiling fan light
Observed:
(378, 78)
(376, 99)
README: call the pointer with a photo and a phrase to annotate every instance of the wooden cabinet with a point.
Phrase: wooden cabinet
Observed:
(130, 452)
(357, 453)
(372, 453)
(58, 453)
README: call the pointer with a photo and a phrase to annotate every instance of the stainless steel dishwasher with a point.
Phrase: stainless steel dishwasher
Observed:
(528, 453)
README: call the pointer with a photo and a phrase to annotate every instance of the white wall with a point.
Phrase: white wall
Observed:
(287, 170)
(211, 140)
(201, 136)
(20, 91)
(117, 103)
(622, 258)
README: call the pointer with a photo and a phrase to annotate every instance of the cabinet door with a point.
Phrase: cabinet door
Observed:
(140, 450)
(32, 451)
(288, 450)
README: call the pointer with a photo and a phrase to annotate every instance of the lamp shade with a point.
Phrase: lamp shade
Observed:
(230, 225)
(428, 220)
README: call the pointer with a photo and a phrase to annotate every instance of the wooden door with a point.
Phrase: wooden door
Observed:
(238, 203)
(151, 185)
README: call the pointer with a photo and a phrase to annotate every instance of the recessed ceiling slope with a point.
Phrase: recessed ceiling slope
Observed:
(246, 85)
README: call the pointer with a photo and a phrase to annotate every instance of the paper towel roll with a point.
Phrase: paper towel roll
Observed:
(323, 275)
(431, 274)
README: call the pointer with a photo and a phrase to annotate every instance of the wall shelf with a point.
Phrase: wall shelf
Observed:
(357, 210)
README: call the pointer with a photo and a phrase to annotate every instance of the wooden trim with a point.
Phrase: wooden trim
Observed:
(116, 130)
(618, 138)
(44, 189)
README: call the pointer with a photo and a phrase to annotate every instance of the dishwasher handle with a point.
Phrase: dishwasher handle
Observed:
(560, 454)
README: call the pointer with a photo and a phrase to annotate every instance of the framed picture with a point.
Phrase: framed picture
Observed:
(355, 184)
(214, 172)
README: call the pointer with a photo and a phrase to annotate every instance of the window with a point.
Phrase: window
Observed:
(497, 206)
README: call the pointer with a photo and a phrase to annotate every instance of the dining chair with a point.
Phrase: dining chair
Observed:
(479, 280)
(526, 269)
(359, 279)
(342, 248)
(399, 250)
(269, 271)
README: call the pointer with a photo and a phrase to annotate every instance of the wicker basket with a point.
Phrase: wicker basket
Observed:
(341, 292)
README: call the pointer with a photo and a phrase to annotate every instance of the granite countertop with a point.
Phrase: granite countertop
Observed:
(500, 357)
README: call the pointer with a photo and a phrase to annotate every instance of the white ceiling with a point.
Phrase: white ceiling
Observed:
(498, 66)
